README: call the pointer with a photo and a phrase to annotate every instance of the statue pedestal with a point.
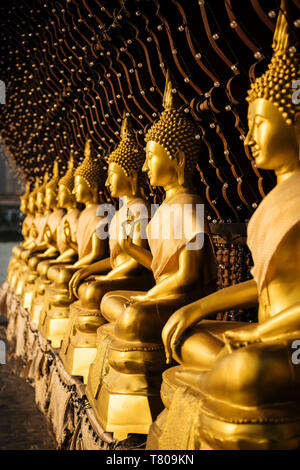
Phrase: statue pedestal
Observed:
(79, 346)
(54, 325)
(36, 310)
(124, 414)
(123, 403)
(27, 297)
(77, 360)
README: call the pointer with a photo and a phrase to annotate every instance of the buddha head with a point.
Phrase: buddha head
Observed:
(32, 198)
(172, 148)
(65, 197)
(25, 200)
(87, 178)
(125, 164)
(40, 194)
(51, 189)
(274, 113)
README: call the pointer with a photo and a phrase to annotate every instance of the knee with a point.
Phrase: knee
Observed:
(247, 377)
(42, 268)
(90, 294)
(132, 325)
(32, 263)
(52, 273)
(107, 307)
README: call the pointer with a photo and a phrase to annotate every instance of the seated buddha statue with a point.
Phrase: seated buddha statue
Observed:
(119, 270)
(29, 216)
(90, 248)
(37, 244)
(245, 380)
(67, 254)
(54, 215)
(124, 393)
(16, 261)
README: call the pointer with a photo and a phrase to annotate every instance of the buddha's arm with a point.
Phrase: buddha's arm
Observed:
(50, 252)
(285, 322)
(98, 251)
(35, 249)
(139, 253)
(66, 256)
(123, 269)
(243, 295)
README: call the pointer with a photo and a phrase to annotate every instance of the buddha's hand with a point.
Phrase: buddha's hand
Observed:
(67, 232)
(139, 298)
(242, 336)
(180, 321)
(75, 280)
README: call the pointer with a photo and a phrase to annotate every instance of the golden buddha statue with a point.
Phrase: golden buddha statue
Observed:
(244, 382)
(90, 248)
(67, 254)
(37, 233)
(124, 380)
(54, 215)
(119, 270)
(24, 207)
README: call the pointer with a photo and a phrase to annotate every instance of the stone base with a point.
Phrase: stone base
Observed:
(27, 297)
(77, 361)
(53, 328)
(124, 414)
(36, 310)
(60, 396)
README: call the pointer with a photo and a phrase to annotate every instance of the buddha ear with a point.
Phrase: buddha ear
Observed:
(180, 160)
(297, 129)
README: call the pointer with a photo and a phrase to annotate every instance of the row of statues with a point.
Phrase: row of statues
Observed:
(130, 312)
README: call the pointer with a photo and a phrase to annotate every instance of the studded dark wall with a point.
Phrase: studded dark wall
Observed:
(72, 67)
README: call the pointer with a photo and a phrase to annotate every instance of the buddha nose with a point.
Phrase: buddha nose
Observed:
(145, 166)
(249, 139)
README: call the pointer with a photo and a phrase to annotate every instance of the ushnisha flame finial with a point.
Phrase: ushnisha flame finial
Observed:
(53, 183)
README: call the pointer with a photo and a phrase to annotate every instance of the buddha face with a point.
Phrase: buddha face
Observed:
(64, 196)
(23, 205)
(81, 190)
(50, 199)
(117, 182)
(161, 170)
(273, 143)
(40, 201)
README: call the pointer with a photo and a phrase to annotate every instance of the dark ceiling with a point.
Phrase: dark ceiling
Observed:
(72, 67)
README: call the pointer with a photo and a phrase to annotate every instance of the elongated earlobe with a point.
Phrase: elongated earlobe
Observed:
(134, 183)
(180, 157)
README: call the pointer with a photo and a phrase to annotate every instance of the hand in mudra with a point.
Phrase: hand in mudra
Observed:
(127, 231)
(242, 336)
(180, 321)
